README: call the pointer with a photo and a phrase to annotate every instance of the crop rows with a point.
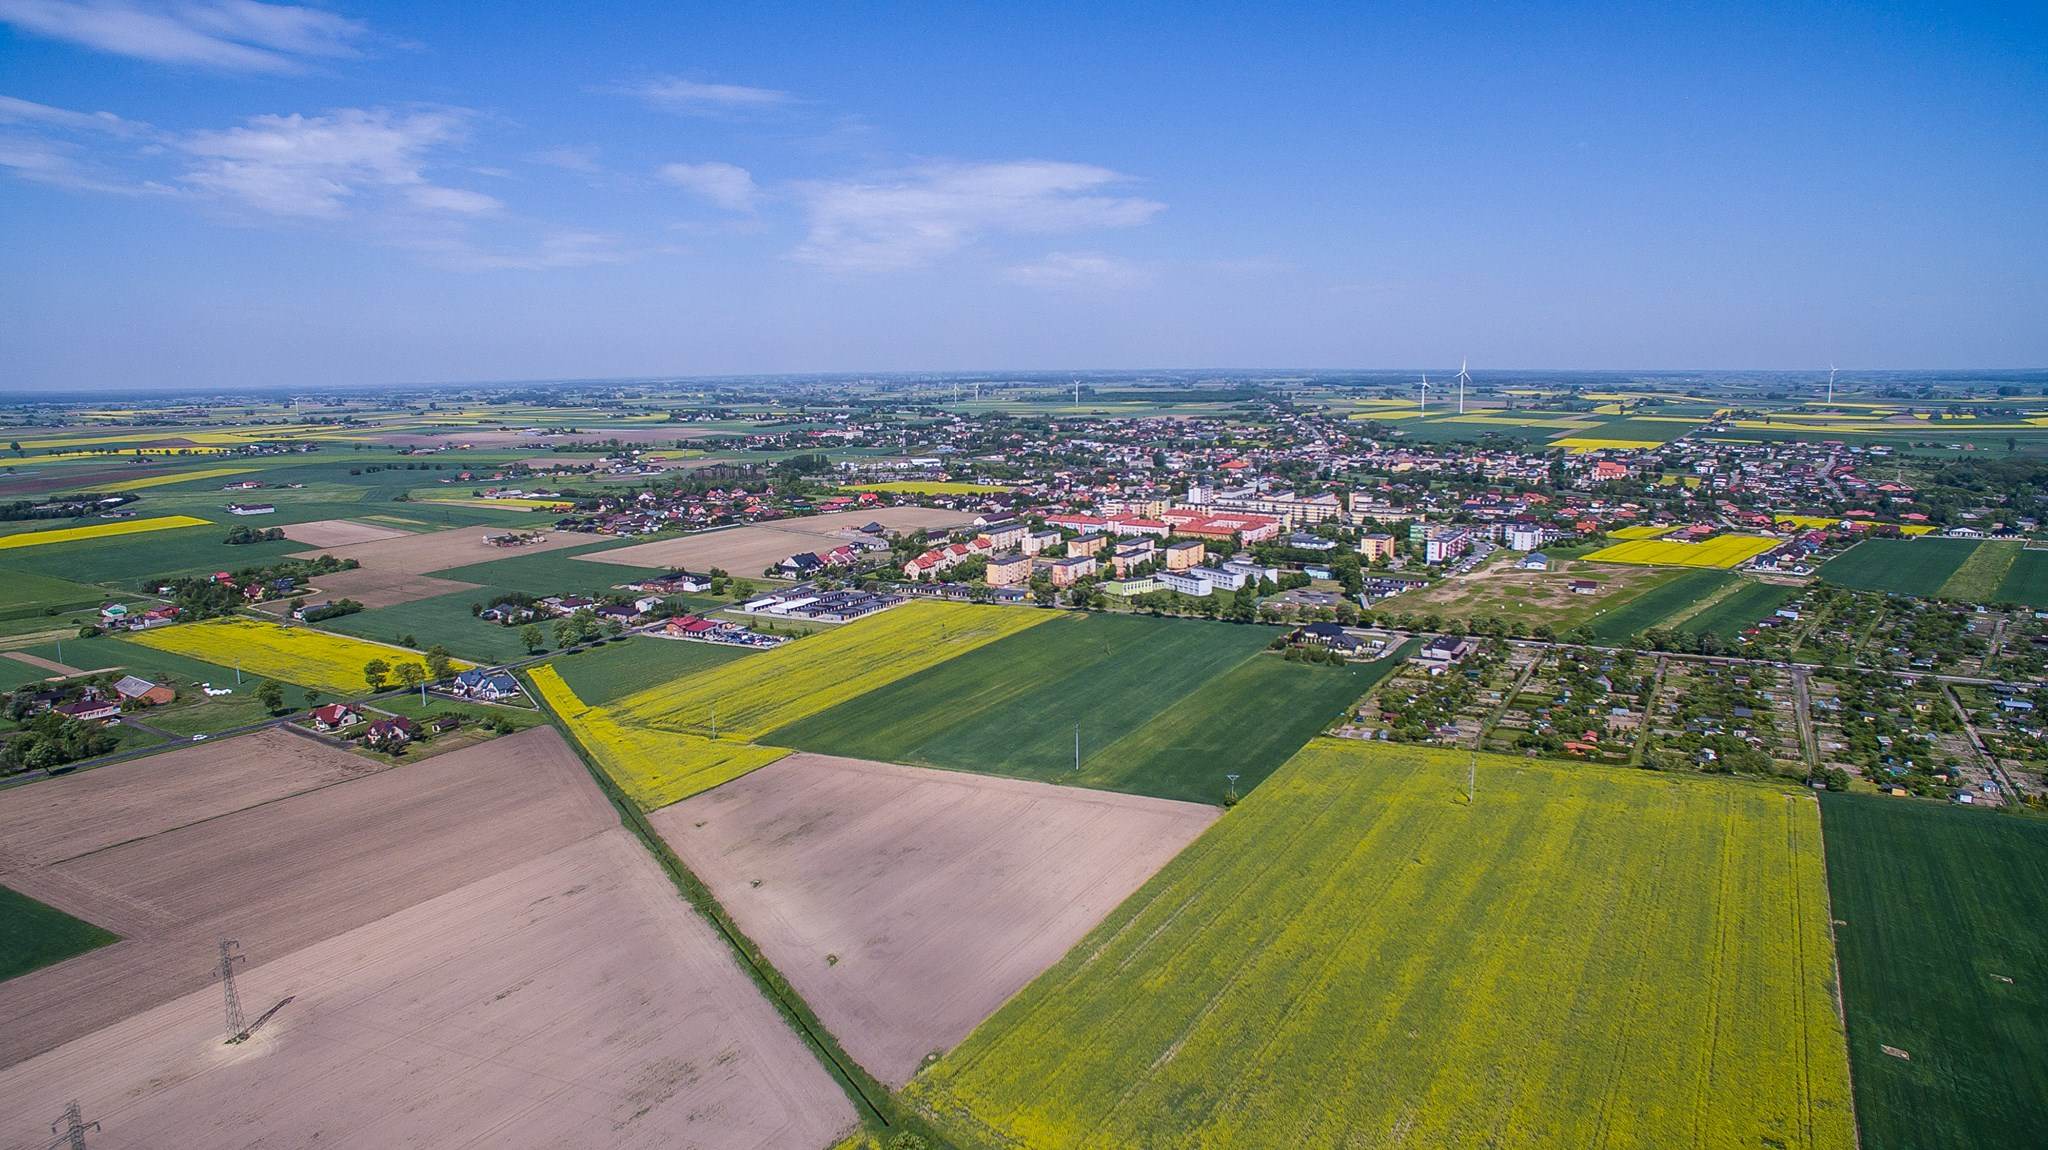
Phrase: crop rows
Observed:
(654, 767)
(310, 658)
(1355, 956)
(1722, 551)
(753, 696)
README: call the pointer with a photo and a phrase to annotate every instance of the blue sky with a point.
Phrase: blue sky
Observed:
(224, 192)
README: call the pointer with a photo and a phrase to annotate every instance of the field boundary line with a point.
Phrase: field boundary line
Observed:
(852, 1078)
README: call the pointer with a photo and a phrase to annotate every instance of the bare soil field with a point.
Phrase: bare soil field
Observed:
(515, 437)
(907, 904)
(287, 874)
(1499, 588)
(55, 819)
(372, 587)
(421, 552)
(573, 999)
(337, 532)
(39, 481)
(745, 551)
(50, 665)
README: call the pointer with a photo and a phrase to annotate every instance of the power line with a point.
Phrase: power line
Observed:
(70, 1128)
(238, 1026)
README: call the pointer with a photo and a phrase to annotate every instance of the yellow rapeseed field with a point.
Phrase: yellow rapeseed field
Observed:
(301, 655)
(1356, 955)
(1722, 551)
(1640, 531)
(98, 531)
(654, 767)
(933, 487)
(181, 477)
(1581, 444)
(1823, 522)
(749, 697)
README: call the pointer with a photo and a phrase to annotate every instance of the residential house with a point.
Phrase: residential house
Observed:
(389, 734)
(490, 686)
(335, 716)
(1330, 635)
(144, 693)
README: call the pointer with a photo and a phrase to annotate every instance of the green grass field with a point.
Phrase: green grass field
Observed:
(551, 572)
(444, 620)
(1981, 575)
(33, 935)
(1741, 609)
(2027, 582)
(1939, 907)
(1355, 956)
(1165, 707)
(618, 669)
(1659, 603)
(1906, 566)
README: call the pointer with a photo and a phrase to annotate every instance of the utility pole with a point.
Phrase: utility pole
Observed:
(238, 1026)
(1471, 777)
(70, 1128)
(1230, 793)
(714, 719)
(1077, 746)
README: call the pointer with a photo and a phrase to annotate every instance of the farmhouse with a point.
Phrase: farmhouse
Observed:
(335, 716)
(142, 692)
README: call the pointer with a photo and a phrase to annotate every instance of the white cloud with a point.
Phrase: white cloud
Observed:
(1078, 270)
(560, 249)
(235, 35)
(461, 201)
(931, 212)
(727, 185)
(314, 166)
(42, 116)
(569, 158)
(678, 95)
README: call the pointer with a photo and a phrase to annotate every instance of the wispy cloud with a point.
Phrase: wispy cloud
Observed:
(1084, 271)
(727, 185)
(231, 35)
(931, 212)
(568, 248)
(316, 166)
(568, 157)
(61, 147)
(678, 95)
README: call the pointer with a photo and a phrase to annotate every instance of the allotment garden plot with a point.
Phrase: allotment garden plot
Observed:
(1944, 944)
(906, 904)
(1356, 954)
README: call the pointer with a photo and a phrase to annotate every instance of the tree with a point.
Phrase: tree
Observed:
(530, 637)
(565, 631)
(271, 696)
(374, 672)
(440, 664)
(410, 675)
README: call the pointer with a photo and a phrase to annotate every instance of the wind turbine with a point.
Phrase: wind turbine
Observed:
(1425, 393)
(1831, 384)
(1464, 377)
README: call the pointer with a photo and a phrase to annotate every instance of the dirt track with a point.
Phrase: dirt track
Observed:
(907, 904)
(337, 532)
(570, 1000)
(422, 552)
(745, 551)
(373, 587)
(285, 874)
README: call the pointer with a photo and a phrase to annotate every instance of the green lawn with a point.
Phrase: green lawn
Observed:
(1906, 566)
(618, 669)
(1357, 956)
(1651, 608)
(2027, 582)
(1939, 906)
(1164, 707)
(33, 935)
